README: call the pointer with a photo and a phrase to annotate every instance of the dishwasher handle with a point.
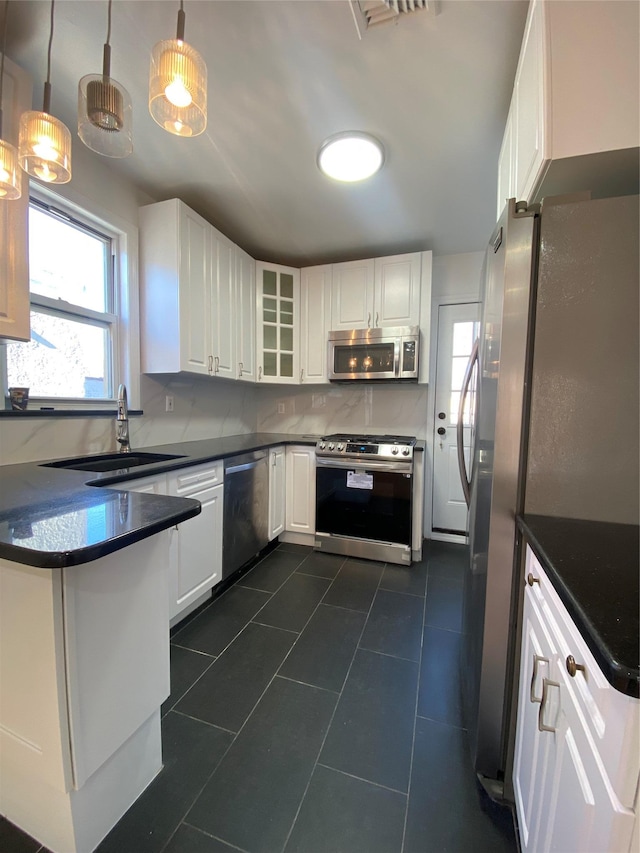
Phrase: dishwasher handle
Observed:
(246, 467)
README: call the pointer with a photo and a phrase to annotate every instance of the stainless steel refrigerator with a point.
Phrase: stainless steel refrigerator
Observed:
(553, 387)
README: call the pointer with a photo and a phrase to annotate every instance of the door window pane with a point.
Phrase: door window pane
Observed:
(463, 338)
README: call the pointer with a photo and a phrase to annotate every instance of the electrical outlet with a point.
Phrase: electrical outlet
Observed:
(281, 408)
(168, 403)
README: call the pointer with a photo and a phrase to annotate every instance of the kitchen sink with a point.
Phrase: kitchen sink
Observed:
(111, 461)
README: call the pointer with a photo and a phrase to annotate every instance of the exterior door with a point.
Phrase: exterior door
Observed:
(457, 331)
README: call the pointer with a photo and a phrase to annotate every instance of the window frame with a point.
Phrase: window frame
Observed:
(123, 317)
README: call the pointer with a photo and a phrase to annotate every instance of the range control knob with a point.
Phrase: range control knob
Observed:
(341, 447)
(331, 445)
(322, 445)
(405, 452)
(394, 450)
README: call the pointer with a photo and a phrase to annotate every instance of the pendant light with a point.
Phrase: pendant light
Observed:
(104, 108)
(44, 147)
(178, 85)
(10, 177)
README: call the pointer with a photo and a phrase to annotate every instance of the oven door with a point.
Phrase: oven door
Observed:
(367, 500)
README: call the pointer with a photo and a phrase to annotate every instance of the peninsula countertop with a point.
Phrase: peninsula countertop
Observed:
(56, 517)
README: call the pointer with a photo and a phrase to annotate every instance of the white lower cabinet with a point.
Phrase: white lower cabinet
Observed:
(195, 545)
(195, 563)
(277, 491)
(301, 489)
(577, 762)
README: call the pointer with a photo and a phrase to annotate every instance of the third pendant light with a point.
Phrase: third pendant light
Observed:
(178, 85)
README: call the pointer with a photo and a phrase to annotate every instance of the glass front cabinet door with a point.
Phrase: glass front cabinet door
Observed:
(278, 305)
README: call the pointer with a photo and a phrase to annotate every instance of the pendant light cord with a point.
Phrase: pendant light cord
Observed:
(46, 106)
(109, 22)
(4, 43)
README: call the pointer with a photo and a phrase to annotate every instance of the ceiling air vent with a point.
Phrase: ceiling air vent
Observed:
(368, 13)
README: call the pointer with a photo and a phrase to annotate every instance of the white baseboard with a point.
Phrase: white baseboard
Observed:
(456, 538)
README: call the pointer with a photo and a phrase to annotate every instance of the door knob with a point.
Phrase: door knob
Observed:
(441, 431)
(442, 415)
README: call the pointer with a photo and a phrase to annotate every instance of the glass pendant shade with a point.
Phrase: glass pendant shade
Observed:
(178, 88)
(10, 175)
(44, 148)
(105, 116)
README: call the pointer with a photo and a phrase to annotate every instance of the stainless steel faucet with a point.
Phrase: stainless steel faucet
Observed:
(122, 421)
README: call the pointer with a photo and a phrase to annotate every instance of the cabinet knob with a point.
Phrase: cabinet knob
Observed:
(573, 667)
(531, 580)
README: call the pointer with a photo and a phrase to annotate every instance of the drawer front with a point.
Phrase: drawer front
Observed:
(194, 479)
(611, 718)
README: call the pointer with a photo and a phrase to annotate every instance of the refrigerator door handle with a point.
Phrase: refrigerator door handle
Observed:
(465, 479)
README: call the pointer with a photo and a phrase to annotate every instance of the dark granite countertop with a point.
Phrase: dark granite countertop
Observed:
(55, 517)
(594, 568)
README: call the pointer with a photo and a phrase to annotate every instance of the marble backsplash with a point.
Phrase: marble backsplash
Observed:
(210, 409)
(202, 409)
(322, 409)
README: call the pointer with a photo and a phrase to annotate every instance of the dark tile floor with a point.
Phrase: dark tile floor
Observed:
(315, 708)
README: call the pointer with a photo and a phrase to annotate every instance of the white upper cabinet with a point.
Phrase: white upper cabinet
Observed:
(197, 296)
(575, 94)
(397, 290)
(277, 323)
(315, 323)
(245, 319)
(376, 292)
(14, 266)
(223, 341)
(352, 285)
(175, 289)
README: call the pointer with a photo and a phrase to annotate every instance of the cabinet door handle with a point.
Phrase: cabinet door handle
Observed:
(302, 374)
(537, 659)
(542, 726)
(369, 320)
(210, 364)
(260, 373)
(217, 368)
(376, 319)
(573, 667)
(240, 370)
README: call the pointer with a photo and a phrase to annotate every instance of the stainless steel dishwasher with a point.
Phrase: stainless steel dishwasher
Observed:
(246, 509)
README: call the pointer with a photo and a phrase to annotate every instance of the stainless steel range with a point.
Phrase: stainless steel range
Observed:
(364, 492)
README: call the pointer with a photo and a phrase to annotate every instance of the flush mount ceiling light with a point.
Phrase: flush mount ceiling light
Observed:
(350, 156)
(44, 146)
(104, 109)
(178, 85)
(10, 177)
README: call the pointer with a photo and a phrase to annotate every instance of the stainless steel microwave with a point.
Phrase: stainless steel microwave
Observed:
(370, 354)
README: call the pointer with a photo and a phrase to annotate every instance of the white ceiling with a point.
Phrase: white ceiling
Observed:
(285, 74)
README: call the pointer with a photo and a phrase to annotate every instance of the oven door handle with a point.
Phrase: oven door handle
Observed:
(399, 467)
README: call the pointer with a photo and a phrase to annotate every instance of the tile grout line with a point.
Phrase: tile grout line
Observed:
(415, 715)
(346, 678)
(183, 820)
(233, 740)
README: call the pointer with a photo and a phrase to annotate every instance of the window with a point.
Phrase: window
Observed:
(73, 354)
